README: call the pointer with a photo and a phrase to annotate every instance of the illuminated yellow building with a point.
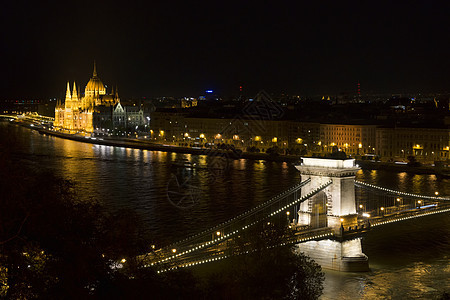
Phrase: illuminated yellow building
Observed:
(76, 113)
(426, 144)
(352, 139)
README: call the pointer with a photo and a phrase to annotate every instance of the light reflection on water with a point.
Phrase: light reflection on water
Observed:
(409, 260)
(417, 280)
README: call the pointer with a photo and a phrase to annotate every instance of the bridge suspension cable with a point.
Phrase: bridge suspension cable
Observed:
(380, 204)
(386, 190)
(293, 189)
(235, 225)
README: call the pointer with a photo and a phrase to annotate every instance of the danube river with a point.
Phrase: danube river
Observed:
(407, 260)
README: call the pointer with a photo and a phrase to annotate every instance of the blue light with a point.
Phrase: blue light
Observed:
(209, 91)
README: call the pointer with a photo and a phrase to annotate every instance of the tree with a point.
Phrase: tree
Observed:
(52, 243)
(270, 271)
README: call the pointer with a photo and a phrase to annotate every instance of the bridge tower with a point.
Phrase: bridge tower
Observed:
(338, 199)
(334, 207)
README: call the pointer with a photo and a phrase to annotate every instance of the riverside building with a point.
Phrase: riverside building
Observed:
(311, 138)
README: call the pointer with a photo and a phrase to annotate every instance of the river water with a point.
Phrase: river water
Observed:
(407, 260)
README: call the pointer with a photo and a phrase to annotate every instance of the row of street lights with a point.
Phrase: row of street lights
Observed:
(399, 201)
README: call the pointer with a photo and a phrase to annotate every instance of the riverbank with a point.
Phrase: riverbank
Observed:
(234, 154)
(148, 145)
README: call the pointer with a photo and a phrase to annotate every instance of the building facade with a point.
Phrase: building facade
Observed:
(389, 144)
(128, 116)
(426, 144)
(352, 139)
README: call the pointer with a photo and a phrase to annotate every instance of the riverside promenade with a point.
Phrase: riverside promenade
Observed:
(149, 145)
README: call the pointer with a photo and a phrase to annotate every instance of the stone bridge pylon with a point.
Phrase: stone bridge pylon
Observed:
(333, 207)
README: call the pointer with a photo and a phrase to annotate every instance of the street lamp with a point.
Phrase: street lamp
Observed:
(398, 202)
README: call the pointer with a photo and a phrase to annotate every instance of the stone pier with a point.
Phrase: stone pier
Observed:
(333, 207)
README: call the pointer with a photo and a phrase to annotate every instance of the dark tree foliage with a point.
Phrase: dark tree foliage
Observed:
(269, 271)
(54, 246)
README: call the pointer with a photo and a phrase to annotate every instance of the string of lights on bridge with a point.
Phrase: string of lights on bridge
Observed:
(207, 260)
(300, 240)
(398, 192)
(410, 217)
(260, 206)
(221, 238)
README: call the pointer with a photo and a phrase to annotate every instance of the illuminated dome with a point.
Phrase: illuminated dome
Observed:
(95, 85)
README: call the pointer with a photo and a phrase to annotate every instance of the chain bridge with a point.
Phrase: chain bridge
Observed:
(327, 213)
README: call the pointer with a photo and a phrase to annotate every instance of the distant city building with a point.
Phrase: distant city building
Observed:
(209, 95)
(77, 112)
(423, 143)
(352, 139)
(188, 102)
(8, 106)
(388, 143)
(128, 116)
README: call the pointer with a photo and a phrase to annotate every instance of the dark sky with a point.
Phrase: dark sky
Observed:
(179, 48)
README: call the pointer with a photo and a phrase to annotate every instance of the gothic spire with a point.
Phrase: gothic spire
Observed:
(94, 74)
(74, 93)
(68, 96)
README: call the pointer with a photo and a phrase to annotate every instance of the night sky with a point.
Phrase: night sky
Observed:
(181, 48)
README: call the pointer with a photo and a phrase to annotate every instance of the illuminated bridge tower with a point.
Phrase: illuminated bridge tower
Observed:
(333, 207)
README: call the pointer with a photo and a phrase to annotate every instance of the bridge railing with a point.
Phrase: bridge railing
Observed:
(411, 214)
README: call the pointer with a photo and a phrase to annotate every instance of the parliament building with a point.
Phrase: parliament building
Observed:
(76, 114)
